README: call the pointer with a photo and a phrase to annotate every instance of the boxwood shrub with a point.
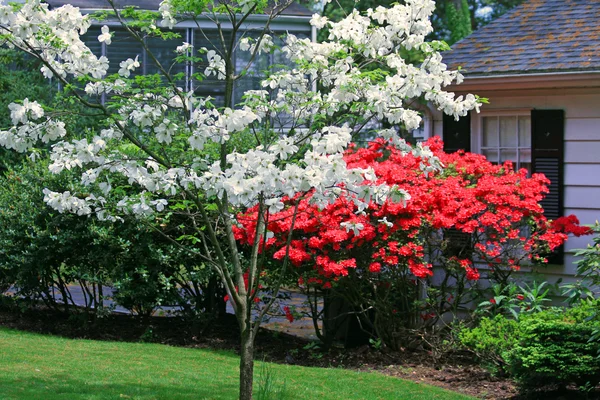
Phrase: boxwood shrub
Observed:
(554, 346)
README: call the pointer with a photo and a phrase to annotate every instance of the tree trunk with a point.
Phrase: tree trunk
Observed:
(246, 364)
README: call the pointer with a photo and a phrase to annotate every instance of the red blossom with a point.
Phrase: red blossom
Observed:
(288, 314)
(570, 225)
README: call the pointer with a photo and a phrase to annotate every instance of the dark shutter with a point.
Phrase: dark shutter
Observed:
(547, 142)
(457, 134)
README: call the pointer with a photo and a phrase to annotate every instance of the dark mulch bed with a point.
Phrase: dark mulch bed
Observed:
(456, 372)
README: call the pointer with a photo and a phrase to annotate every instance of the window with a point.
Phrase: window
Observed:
(262, 63)
(164, 52)
(532, 139)
(125, 46)
(507, 138)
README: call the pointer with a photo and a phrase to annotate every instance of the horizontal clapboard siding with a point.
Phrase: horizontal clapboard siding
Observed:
(586, 215)
(582, 176)
(578, 152)
(582, 197)
(576, 243)
(583, 128)
(585, 175)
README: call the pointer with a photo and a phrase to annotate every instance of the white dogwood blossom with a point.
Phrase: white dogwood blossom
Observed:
(184, 48)
(166, 12)
(105, 36)
(355, 227)
(216, 65)
(128, 66)
(264, 45)
(282, 162)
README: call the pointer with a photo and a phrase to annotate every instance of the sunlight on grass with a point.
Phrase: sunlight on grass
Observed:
(46, 367)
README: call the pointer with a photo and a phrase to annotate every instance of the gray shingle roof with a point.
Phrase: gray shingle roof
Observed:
(293, 9)
(538, 36)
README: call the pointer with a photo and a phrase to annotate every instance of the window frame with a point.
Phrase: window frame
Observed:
(477, 127)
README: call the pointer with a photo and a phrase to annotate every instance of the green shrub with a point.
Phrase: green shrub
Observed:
(490, 340)
(43, 253)
(554, 346)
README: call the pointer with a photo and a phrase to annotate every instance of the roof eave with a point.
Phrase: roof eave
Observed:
(541, 80)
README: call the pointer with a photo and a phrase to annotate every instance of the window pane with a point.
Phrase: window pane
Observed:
(491, 155)
(508, 155)
(525, 159)
(524, 131)
(123, 46)
(164, 51)
(490, 131)
(90, 38)
(508, 131)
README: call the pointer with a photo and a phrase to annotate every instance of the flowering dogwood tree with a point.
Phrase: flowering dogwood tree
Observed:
(164, 150)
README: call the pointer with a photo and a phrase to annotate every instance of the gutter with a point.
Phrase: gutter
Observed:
(548, 80)
(540, 75)
(282, 22)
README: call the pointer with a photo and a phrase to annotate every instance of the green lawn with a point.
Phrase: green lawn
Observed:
(45, 367)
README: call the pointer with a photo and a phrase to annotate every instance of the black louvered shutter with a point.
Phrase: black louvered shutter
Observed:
(457, 134)
(547, 142)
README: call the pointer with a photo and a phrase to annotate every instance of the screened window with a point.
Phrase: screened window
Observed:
(164, 52)
(124, 46)
(91, 40)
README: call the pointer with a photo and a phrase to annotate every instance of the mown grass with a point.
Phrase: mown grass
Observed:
(36, 366)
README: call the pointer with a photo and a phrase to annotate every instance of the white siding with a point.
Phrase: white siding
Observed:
(587, 175)
(583, 197)
(583, 128)
(585, 215)
(582, 151)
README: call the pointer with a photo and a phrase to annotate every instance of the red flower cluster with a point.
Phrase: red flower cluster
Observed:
(288, 314)
(570, 225)
(497, 207)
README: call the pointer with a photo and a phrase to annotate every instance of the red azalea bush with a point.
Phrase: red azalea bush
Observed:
(472, 214)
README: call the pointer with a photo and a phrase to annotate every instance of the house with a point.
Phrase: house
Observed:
(539, 66)
(202, 33)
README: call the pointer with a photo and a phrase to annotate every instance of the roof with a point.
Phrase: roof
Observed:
(539, 36)
(293, 9)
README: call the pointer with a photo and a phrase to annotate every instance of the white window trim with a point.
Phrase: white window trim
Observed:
(477, 123)
(428, 121)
